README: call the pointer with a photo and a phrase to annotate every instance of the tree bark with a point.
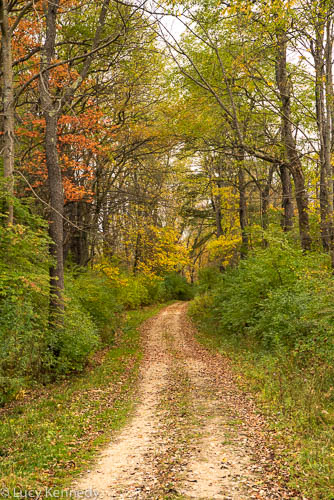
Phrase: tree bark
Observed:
(292, 157)
(216, 205)
(330, 125)
(324, 131)
(8, 104)
(137, 254)
(76, 240)
(51, 114)
(243, 213)
(265, 198)
(52, 108)
(287, 205)
(322, 52)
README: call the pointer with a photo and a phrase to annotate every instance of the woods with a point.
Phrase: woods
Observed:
(165, 151)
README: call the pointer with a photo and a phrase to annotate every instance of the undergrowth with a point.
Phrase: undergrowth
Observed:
(274, 316)
(31, 351)
(47, 439)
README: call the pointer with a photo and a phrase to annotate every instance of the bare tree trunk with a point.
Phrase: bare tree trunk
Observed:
(302, 205)
(265, 198)
(137, 253)
(294, 163)
(8, 103)
(243, 213)
(218, 215)
(330, 124)
(330, 107)
(321, 53)
(287, 205)
(216, 205)
(76, 240)
(51, 113)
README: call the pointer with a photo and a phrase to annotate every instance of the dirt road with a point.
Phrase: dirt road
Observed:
(193, 434)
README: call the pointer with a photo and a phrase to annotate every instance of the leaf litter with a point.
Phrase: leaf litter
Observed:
(194, 433)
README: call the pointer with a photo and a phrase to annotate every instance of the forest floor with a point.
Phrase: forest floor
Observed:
(194, 433)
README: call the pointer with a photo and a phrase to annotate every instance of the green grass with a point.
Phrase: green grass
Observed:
(300, 414)
(47, 440)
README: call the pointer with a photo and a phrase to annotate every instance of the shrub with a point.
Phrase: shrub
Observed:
(100, 298)
(135, 292)
(32, 352)
(274, 316)
(208, 278)
(22, 344)
(278, 300)
(70, 346)
(281, 275)
(176, 287)
(24, 290)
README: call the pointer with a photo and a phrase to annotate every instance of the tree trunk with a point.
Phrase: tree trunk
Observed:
(330, 126)
(137, 254)
(324, 129)
(287, 205)
(243, 213)
(292, 157)
(76, 240)
(50, 113)
(218, 215)
(216, 205)
(322, 53)
(302, 205)
(265, 198)
(56, 216)
(8, 104)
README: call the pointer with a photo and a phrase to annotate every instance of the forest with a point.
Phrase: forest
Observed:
(167, 161)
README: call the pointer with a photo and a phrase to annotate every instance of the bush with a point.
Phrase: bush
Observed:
(32, 352)
(29, 350)
(134, 293)
(176, 287)
(277, 308)
(24, 291)
(270, 296)
(22, 344)
(208, 279)
(70, 346)
(274, 317)
(100, 298)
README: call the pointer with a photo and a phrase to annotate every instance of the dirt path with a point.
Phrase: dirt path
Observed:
(193, 435)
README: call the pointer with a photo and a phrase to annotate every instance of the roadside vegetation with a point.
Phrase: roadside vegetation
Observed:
(141, 164)
(52, 434)
(35, 351)
(273, 315)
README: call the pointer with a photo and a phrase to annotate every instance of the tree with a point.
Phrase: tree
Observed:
(52, 105)
(7, 30)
